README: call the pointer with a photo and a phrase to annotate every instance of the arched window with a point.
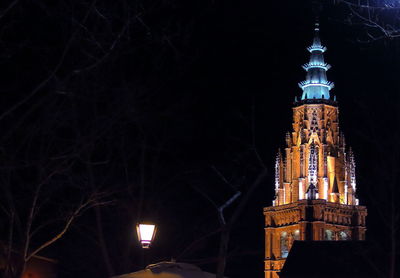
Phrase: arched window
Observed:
(328, 235)
(296, 235)
(344, 236)
(284, 245)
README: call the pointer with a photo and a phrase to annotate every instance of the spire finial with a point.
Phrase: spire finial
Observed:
(316, 28)
(316, 85)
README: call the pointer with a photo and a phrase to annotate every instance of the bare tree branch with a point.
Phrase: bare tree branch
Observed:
(91, 202)
(52, 73)
(9, 7)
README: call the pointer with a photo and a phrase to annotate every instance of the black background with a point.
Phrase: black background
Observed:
(192, 78)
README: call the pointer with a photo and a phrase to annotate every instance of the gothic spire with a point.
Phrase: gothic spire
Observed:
(316, 85)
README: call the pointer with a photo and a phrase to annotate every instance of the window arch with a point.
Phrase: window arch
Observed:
(284, 245)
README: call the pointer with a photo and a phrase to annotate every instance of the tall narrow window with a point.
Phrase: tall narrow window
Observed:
(313, 164)
(284, 245)
(296, 235)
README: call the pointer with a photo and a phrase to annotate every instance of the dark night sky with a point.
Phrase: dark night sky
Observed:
(190, 88)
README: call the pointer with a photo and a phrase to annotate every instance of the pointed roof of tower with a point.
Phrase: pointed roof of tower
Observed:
(316, 45)
(316, 85)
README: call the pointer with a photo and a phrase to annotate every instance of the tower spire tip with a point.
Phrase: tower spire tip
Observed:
(316, 85)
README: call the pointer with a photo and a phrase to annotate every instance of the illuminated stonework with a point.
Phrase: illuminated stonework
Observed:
(315, 154)
(315, 183)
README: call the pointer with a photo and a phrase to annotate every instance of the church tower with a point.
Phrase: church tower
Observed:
(315, 182)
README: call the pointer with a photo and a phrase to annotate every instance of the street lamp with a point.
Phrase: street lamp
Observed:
(146, 233)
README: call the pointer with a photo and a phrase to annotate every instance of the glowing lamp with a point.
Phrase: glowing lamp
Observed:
(146, 233)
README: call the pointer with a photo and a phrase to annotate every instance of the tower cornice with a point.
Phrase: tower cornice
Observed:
(329, 102)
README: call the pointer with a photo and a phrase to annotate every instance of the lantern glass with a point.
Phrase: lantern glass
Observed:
(146, 234)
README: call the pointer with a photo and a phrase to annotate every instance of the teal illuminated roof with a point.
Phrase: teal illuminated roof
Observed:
(316, 85)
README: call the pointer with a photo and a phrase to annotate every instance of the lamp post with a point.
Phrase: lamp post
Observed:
(146, 233)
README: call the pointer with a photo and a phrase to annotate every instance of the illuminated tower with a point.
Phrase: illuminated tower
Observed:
(315, 181)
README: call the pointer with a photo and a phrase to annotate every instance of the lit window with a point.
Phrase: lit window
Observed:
(328, 235)
(284, 245)
(344, 236)
(296, 235)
